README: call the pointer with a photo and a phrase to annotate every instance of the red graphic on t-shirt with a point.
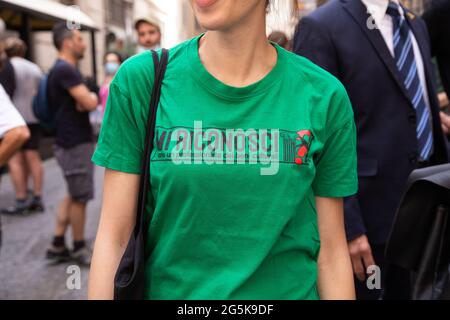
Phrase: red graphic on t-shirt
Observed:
(304, 146)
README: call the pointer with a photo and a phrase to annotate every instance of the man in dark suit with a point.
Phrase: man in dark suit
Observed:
(437, 19)
(380, 52)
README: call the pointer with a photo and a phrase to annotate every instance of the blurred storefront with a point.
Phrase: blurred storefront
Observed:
(31, 19)
(113, 21)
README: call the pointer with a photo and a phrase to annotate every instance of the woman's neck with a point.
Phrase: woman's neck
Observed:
(239, 56)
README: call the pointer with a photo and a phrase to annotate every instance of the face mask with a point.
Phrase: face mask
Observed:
(111, 68)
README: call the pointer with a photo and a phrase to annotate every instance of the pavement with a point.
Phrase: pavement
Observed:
(24, 272)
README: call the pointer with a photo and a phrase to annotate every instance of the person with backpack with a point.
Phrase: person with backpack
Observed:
(7, 75)
(27, 161)
(71, 101)
(254, 149)
(13, 130)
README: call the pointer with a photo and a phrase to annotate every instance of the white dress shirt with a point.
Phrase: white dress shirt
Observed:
(378, 8)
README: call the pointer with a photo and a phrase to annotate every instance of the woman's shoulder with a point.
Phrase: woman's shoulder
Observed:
(143, 62)
(139, 69)
(325, 90)
(317, 77)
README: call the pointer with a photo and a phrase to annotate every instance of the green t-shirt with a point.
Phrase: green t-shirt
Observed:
(234, 173)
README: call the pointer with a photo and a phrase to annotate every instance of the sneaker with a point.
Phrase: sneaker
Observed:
(21, 207)
(58, 254)
(36, 205)
(82, 256)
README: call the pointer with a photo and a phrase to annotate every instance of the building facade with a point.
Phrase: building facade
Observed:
(115, 22)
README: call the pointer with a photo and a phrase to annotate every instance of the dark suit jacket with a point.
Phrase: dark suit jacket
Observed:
(438, 22)
(336, 37)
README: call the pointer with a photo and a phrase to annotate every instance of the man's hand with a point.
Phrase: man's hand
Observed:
(361, 255)
(445, 120)
(443, 100)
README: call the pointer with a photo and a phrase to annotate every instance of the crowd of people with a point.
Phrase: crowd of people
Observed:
(386, 112)
(72, 100)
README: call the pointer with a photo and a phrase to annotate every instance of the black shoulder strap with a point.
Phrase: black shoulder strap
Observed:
(160, 69)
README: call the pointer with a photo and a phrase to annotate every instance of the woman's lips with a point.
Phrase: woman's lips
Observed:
(205, 3)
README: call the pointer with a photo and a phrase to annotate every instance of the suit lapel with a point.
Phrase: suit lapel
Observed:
(421, 41)
(359, 13)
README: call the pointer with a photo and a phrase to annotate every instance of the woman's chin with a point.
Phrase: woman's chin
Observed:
(213, 24)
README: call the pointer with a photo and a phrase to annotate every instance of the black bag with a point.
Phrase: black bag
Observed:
(420, 239)
(129, 282)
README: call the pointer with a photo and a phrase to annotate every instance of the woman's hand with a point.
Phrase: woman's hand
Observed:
(116, 224)
(335, 276)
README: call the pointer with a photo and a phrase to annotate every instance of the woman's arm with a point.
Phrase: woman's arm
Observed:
(116, 224)
(335, 276)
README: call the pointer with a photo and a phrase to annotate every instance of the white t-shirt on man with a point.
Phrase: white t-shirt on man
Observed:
(28, 76)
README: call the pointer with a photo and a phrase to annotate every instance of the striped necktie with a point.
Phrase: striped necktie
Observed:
(406, 64)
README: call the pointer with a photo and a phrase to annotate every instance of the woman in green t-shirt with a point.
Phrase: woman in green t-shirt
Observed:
(255, 148)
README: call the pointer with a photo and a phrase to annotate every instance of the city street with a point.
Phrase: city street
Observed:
(24, 271)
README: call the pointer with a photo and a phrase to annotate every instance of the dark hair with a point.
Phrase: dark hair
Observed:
(61, 33)
(279, 38)
(15, 47)
(117, 54)
(2, 56)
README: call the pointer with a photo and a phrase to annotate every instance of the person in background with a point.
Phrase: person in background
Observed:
(72, 101)
(7, 76)
(280, 38)
(380, 52)
(13, 130)
(112, 62)
(445, 118)
(27, 161)
(149, 35)
(437, 18)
